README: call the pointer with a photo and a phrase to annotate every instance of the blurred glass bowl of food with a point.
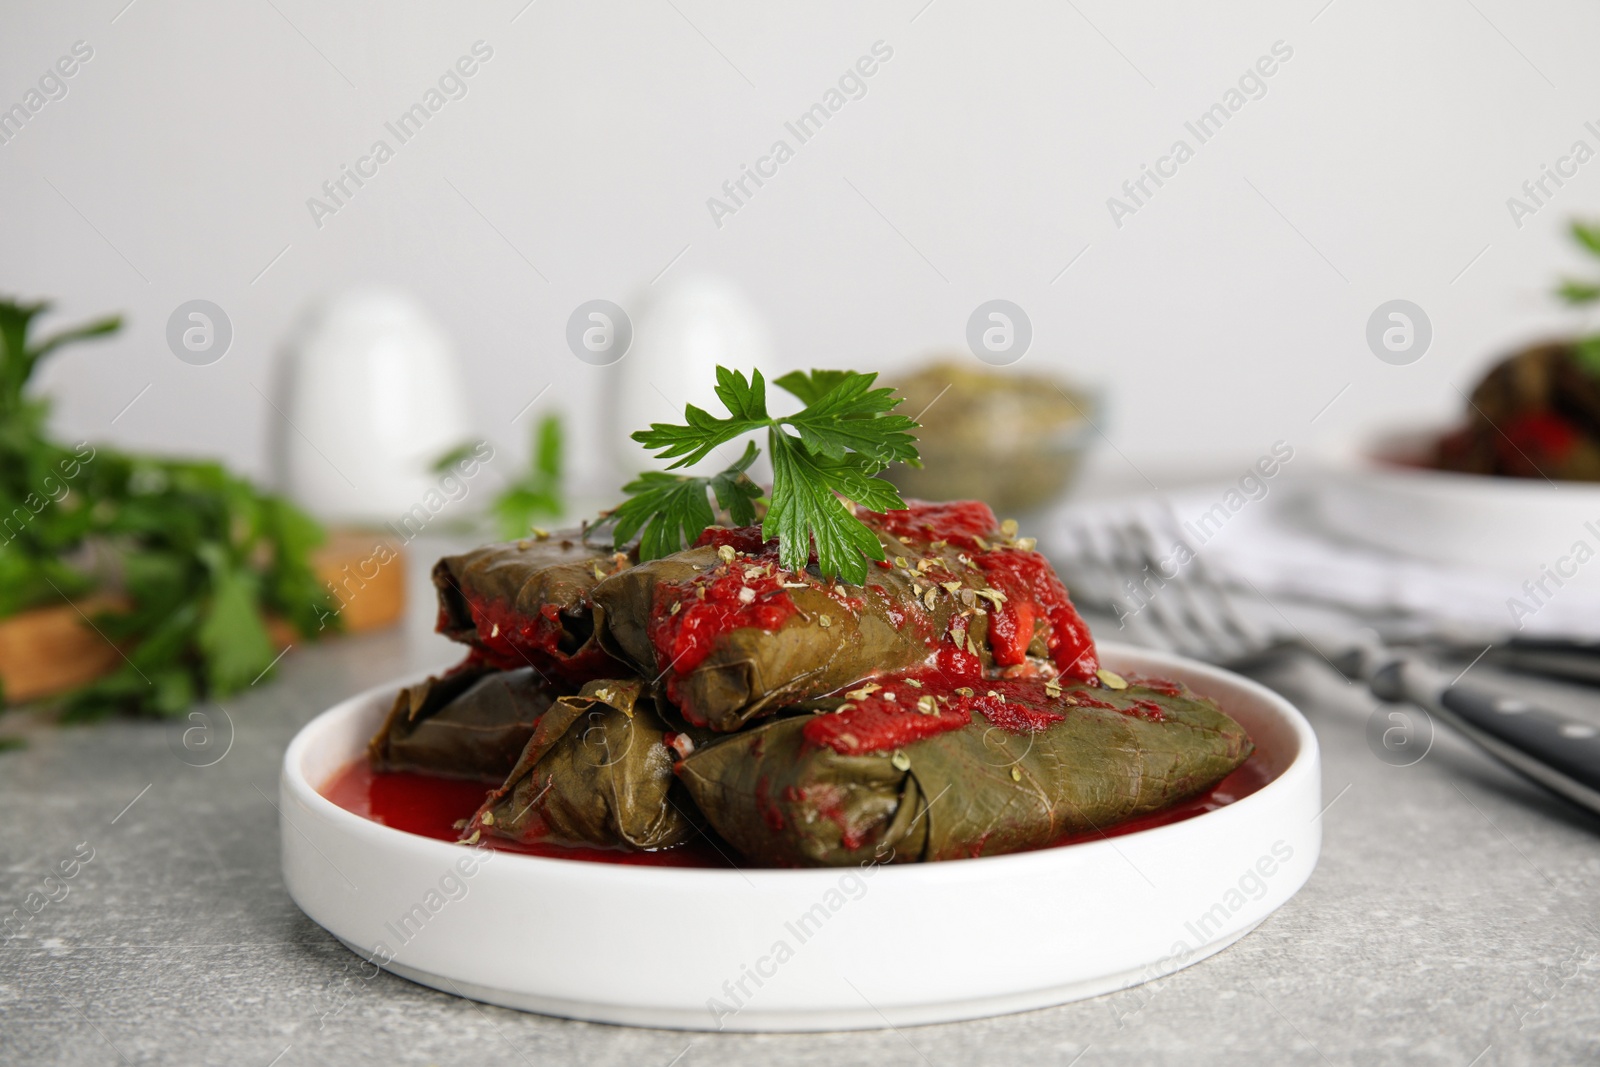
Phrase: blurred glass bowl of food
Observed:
(1012, 440)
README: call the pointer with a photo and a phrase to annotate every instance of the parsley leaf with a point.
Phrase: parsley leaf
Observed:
(736, 493)
(822, 456)
(850, 416)
(1586, 350)
(1575, 292)
(232, 634)
(1588, 236)
(808, 510)
(746, 401)
(198, 558)
(810, 386)
(537, 493)
(672, 509)
(1578, 292)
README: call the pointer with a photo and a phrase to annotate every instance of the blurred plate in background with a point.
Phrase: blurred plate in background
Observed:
(1382, 496)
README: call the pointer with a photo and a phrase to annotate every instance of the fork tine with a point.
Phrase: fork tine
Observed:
(1118, 566)
(1203, 606)
(1085, 573)
(1100, 570)
(1093, 574)
(1219, 601)
(1155, 617)
(1174, 603)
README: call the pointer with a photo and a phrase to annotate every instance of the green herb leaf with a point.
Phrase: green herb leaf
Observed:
(450, 457)
(671, 510)
(843, 436)
(1587, 349)
(808, 510)
(199, 554)
(1587, 352)
(1578, 292)
(735, 492)
(813, 385)
(232, 634)
(538, 493)
(548, 452)
(1587, 235)
(849, 417)
(746, 401)
(88, 331)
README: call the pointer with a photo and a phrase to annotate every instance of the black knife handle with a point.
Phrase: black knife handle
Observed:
(1557, 751)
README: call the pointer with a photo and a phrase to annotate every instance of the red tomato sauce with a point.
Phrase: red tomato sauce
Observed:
(745, 539)
(510, 640)
(430, 807)
(875, 725)
(894, 710)
(686, 618)
(1032, 590)
(959, 522)
(1031, 585)
(1537, 435)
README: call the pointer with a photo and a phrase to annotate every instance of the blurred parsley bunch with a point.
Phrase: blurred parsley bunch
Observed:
(195, 557)
(536, 493)
(1580, 293)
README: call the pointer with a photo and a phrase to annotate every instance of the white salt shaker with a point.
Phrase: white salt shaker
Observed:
(372, 397)
(683, 333)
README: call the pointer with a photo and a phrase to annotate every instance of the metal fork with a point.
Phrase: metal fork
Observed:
(1188, 610)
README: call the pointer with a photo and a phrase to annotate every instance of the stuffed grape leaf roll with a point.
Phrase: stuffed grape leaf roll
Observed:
(906, 773)
(471, 722)
(526, 604)
(597, 772)
(732, 635)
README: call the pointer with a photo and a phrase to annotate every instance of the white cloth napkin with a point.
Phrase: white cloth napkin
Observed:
(1274, 548)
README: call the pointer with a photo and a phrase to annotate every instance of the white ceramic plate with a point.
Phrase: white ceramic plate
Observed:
(833, 949)
(1511, 525)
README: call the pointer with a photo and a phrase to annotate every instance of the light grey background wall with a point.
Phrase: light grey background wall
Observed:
(1227, 312)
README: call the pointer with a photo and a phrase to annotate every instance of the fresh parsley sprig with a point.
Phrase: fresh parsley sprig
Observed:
(196, 557)
(672, 509)
(822, 456)
(1578, 293)
(537, 493)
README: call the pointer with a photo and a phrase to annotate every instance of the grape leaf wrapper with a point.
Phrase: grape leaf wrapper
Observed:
(978, 790)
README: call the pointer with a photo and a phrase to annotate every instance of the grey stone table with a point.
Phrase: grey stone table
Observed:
(1451, 921)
